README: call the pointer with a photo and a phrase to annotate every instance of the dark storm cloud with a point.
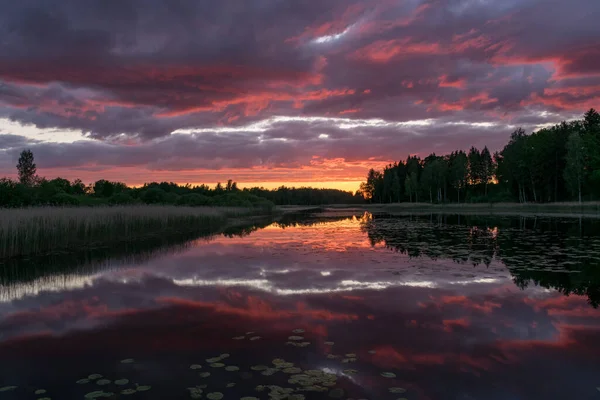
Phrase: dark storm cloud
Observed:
(133, 70)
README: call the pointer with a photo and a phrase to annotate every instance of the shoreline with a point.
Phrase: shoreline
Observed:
(587, 210)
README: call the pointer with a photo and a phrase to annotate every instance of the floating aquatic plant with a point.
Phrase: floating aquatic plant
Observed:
(255, 338)
(296, 338)
(204, 374)
(258, 367)
(121, 382)
(7, 388)
(213, 360)
(196, 392)
(127, 361)
(397, 390)
(143, 388)
(249, 398)
(269, 371)
(388, 374)
(329, 343)
(239, 338)
(44, 398)
(230, 384)
(40, 391)
(94, 376)
(103, 382)
(214, 396)
(97, 394)
(217, 365)
(298, 331)
(195, 366)
(128, 391)
(232, 368)
(83, 381)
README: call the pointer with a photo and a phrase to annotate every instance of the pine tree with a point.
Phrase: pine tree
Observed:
(26, 168)
(575, 168)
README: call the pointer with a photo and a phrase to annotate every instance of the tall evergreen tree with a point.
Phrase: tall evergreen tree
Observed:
(575, 169)
(26, 168)
(487, 168)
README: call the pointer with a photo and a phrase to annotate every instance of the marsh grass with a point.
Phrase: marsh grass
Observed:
(48, 230)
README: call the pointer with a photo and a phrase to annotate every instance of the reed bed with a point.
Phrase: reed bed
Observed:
(47, 230)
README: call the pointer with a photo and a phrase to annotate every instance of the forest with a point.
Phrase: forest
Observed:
(32, 190)
(555, 164)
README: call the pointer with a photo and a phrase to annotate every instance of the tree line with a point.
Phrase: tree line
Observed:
(32, 190)
(558, 163)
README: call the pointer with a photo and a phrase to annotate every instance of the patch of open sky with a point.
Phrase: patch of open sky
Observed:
(53, 135)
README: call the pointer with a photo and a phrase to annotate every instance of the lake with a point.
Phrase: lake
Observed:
(319, 306)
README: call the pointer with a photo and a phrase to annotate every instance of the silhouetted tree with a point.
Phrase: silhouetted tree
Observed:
(26, 168)
(574, 171)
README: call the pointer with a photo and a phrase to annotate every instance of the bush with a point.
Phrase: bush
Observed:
(121, 198)
(153, 196)
(195, 200)
(63, 199)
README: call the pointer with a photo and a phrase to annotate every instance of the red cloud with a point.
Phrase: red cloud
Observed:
(384, 51)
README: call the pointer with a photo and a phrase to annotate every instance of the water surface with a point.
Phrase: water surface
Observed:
(372, 307)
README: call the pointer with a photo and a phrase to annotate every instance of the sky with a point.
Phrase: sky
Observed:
(271, 92)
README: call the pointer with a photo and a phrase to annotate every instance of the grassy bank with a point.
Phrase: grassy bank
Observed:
(51, 230)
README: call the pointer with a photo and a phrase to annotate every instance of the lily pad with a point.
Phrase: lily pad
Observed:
(195, 366)
(232, 368)
(128, 391)
(230, 384)
(239, 338)
(329, 343)
(143, 388)
(121, 382)
(388, 374)
(224, 355)
(249, 398)
(217, 365)
(44, 398)
(397, 390)
(255, 338)
(40, 391)
(7, 388)
(96, 394)
(258, 367)
(103, 382)
(249, 333)
(204, 374)
(214, 396)
(213, 360)
(298, 338)
(94, 376)
(83, 381)
(127, 361)
(298, 331)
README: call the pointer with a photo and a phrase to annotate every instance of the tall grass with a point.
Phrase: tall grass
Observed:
(47, 230)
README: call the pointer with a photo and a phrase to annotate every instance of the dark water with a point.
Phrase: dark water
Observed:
(430, 307)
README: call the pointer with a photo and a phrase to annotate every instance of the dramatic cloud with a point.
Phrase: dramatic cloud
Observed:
(269, 88)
